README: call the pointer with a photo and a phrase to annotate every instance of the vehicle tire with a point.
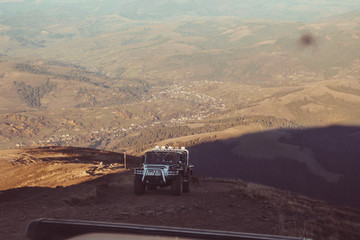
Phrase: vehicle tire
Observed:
(151, 187)
(177, 186)
(186, 186)
(139, 186)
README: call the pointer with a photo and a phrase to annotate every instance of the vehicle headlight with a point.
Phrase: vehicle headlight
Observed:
(171, 173)
(173, 167)
(138, 171)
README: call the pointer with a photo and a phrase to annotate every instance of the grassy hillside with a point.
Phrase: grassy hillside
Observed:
(46, 102)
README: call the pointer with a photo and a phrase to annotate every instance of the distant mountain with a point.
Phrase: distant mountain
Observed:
(298, 10)
(196, 48)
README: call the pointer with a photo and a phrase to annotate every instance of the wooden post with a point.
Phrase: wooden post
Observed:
(125, 160)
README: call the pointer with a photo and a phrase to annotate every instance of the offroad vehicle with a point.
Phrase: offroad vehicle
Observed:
(162, 167)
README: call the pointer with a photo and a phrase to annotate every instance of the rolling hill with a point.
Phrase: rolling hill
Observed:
(51, 103)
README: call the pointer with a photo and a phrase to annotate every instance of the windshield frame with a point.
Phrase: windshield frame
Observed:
(162, 158)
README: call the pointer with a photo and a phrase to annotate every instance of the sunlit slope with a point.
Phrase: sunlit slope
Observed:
(326, 102)
(51, 102)
(108, 86)
(57, 166)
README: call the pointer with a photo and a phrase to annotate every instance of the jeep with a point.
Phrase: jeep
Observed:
(162, 167)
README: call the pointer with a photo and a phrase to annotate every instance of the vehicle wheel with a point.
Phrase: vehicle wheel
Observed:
(151, 187)
(139, 186)
(186, 186)
(177, 185)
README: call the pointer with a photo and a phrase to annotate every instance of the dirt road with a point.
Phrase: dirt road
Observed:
(212, 204)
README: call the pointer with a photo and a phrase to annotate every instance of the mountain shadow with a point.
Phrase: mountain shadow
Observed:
(321, 163)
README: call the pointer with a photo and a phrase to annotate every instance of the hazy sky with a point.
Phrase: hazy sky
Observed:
(297, 10)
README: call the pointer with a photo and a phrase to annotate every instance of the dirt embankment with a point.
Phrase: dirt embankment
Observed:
(212, 204)
(57, 166)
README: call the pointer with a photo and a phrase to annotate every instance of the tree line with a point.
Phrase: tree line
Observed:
(149, 136)
(32, 96)
(24, 67)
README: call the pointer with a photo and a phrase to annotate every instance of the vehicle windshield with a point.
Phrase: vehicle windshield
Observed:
(161, 158)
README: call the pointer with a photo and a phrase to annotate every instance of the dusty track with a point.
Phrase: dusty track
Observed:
(212, 204)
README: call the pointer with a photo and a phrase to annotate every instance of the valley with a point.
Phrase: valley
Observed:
(103, 112)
